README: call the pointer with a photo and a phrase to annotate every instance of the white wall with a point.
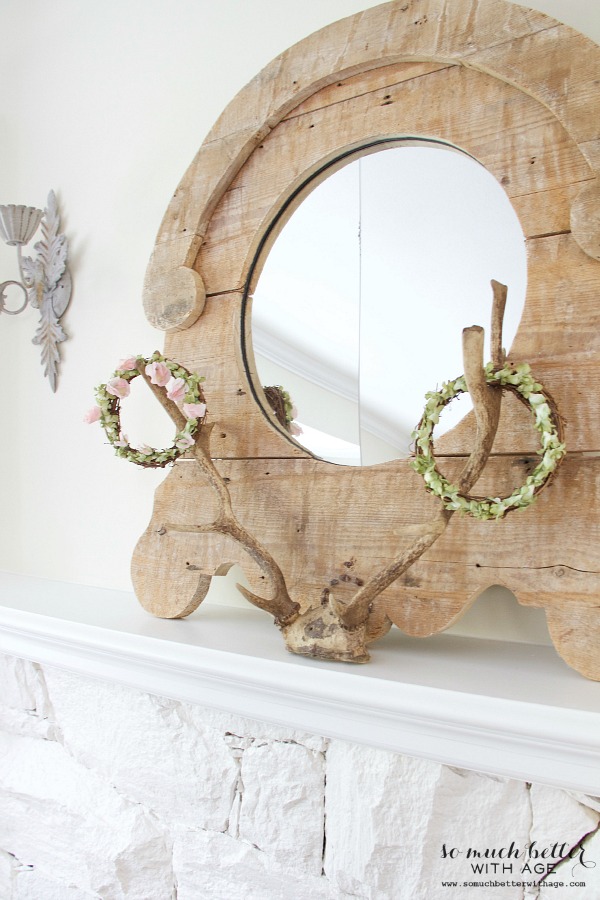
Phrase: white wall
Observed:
(106, 103)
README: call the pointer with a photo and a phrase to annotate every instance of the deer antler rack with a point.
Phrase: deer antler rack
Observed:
(331, 630)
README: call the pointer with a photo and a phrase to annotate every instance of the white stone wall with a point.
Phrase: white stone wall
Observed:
(107, 792)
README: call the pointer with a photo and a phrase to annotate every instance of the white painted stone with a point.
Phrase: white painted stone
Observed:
(23, 701)
(378, 807)
(30, 885)
(588, 871)
(388, 817)
(210, 866)
(239, 726)
(233, 826)
(21, 685)
(573, 881)
(74, 828)
(586, 799)
(141, 743)
(26, 723)
(8, 873)
(558, 818)
(477, 813)
(282, 807)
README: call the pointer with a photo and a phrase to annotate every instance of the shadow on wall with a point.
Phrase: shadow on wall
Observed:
(495, 615)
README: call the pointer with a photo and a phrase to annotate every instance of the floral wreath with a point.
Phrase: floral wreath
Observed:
(284, 408)
(546, 421)
(181, 386)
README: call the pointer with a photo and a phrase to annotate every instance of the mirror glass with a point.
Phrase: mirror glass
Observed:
(361, 301)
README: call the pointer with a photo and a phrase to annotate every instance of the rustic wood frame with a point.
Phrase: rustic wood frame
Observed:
(521, 93)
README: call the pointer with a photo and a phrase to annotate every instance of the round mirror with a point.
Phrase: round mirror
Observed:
(362, 299)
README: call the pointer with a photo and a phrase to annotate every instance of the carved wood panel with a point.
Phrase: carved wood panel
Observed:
(520, 93)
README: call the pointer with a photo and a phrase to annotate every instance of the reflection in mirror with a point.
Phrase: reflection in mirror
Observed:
(361, 302)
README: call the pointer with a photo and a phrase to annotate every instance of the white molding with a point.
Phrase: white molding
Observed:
(292, 358)
(503, 708)
(288, 355)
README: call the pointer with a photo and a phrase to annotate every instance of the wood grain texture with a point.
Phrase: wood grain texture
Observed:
(375, 510)
(519, 92)
(585, 218)
(522, 47)
(519, 142)
(575, 632)
(176, 297)
(559, 336)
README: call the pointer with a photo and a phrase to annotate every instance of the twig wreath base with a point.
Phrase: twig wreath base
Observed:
(181, 386)
(283, 406)
(547, 422)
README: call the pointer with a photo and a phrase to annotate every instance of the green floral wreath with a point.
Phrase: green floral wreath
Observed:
(181, 386)
(546, 421)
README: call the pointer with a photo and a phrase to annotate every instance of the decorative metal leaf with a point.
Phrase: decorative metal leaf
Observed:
(29, 267)
(52, 249)
(48, 287)
(2, 299)
(61, 294)
(48, 336)
(34, 272)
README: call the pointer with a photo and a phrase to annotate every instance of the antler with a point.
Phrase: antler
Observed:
(486, 403)
(330, 630)
(498, 307)
(281, 606)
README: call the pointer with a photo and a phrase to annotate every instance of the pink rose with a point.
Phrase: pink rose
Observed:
(176, 390)
(118, 387)
(125, 365)
(158, 373)
(194, 410)
(123, 440)
(185, 442)
(144, 449)
(295, 429)
(92, 415)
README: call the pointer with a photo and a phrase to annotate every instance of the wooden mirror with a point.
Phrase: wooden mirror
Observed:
(325, 547)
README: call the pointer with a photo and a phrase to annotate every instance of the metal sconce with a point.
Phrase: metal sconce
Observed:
(45, 279)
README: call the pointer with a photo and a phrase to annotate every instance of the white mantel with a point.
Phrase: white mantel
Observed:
(503, 708)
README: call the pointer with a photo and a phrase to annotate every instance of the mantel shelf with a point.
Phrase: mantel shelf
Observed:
(504, 708)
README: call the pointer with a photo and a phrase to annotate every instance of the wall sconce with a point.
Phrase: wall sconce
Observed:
(45, 279)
